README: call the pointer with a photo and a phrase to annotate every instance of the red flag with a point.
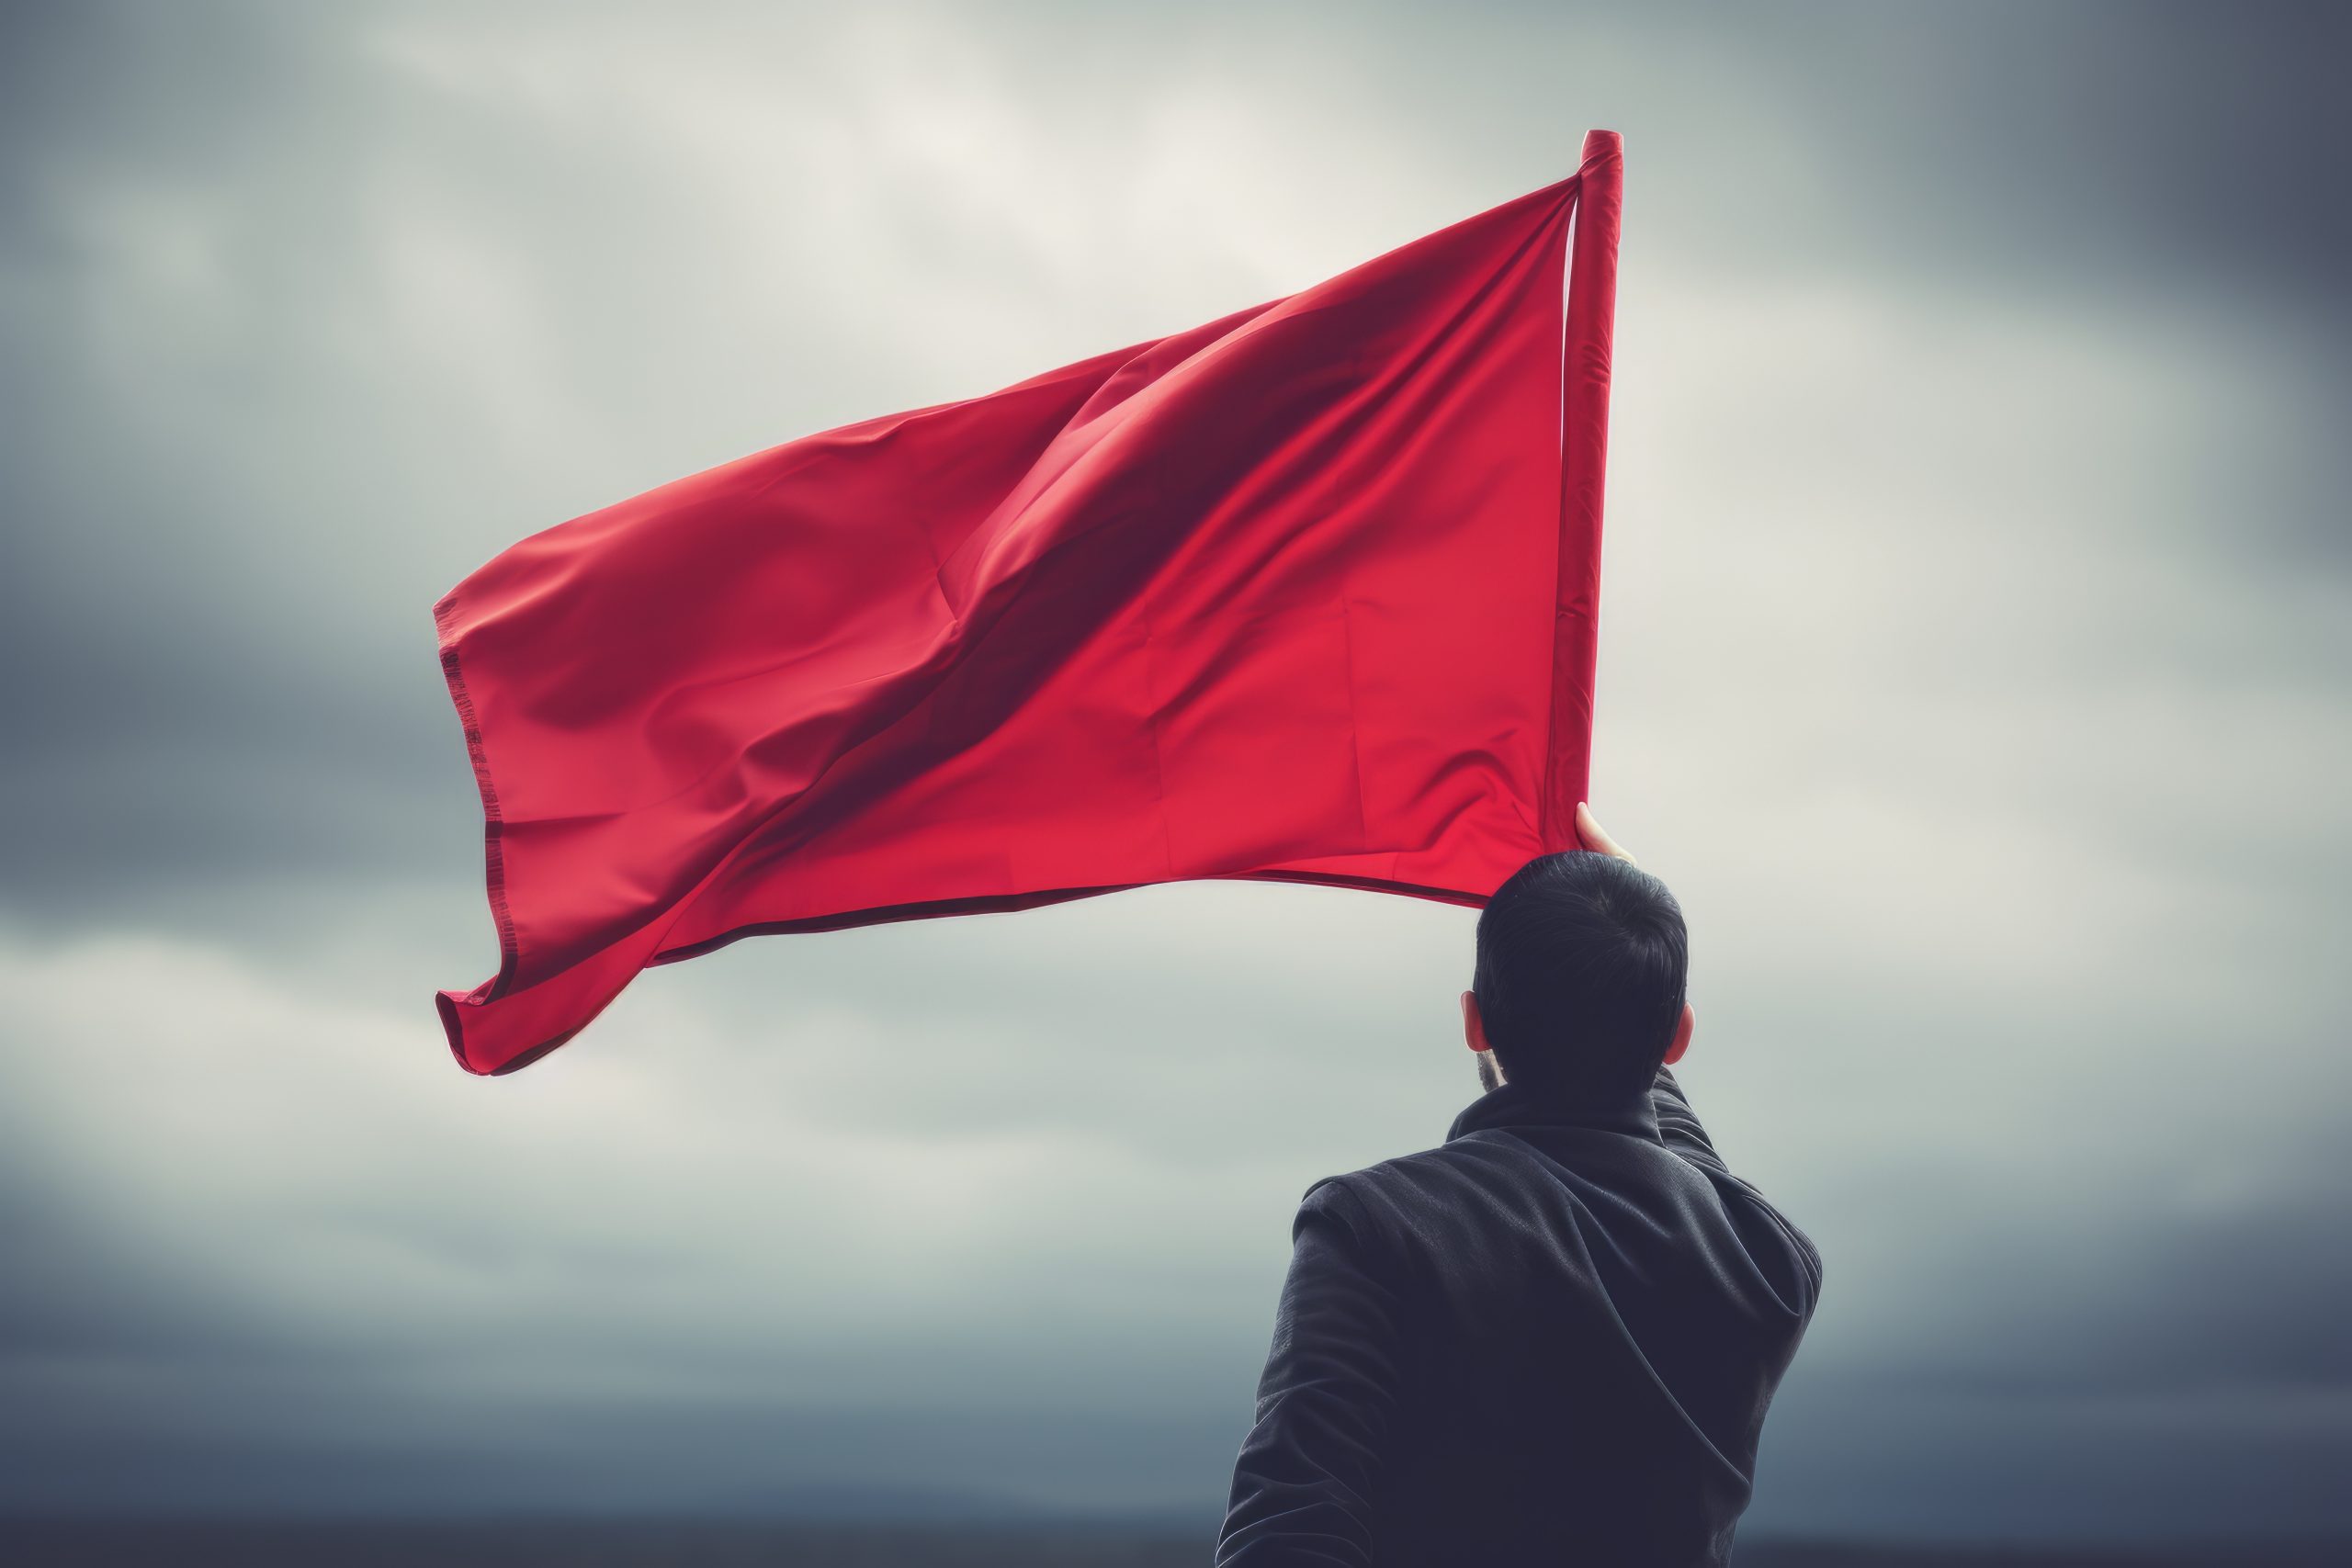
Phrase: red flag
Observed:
(1305, 594)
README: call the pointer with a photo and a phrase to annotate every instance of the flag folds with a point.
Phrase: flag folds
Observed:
(1308, 593)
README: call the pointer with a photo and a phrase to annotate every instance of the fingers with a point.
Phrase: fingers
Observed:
(1589, 834)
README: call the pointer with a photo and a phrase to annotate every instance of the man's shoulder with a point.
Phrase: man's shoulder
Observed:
(1497, 1185)
(1413, 1171)
(1392, 1193)
(1474, 1168)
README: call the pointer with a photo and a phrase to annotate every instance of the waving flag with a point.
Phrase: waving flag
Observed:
(1305, 595)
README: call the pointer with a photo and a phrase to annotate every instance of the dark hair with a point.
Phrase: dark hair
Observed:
(1583, 961)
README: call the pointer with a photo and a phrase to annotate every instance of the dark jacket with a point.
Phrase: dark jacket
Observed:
(1550, 1340)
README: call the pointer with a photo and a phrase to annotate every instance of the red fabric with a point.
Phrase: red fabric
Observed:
(1307, 593)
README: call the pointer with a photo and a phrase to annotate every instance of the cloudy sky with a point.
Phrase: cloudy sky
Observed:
(1976, 663)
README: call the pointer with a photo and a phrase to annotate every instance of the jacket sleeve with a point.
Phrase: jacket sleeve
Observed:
(1678, 1125)
(1303, 1486)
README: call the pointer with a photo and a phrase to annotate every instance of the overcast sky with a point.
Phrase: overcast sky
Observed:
(1976, 663)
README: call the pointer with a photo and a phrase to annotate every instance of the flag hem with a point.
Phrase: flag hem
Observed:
(493, 822)
(1586, 344)
(1011, 903)
(453, 1026)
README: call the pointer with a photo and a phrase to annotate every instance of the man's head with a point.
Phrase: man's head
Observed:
(1579, 988)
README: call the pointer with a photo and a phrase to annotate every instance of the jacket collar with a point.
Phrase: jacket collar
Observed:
(1517, 1105)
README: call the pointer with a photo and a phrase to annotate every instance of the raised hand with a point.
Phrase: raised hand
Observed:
(1589, 834)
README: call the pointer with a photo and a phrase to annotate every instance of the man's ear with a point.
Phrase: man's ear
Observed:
(1683, 1027)
(1474, 1027)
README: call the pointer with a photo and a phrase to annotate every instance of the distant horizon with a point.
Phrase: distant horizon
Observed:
(886, 1513)
(1769, 1549)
